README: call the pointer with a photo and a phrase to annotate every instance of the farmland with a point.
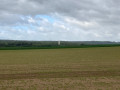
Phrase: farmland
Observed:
(65, 68)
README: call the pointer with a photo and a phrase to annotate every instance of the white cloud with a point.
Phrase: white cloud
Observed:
(80, 23)
(31, 20)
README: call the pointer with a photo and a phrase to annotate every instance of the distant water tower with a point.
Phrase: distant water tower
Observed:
(58, 43)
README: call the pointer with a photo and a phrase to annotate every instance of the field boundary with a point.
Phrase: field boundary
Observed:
(59, 74)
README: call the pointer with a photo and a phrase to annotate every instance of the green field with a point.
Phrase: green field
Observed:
(60, 69)
(57, 47)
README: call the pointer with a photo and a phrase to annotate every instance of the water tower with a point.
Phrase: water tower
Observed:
(58, 43)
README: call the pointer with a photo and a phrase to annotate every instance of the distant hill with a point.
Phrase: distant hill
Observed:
(18, 43)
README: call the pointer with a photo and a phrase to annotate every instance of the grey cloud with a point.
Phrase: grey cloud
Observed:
(9, 19)
(86, 10)
(105, 13)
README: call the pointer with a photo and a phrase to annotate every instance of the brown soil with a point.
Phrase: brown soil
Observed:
(59, 74)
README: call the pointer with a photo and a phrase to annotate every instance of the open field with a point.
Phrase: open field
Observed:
(64, 69)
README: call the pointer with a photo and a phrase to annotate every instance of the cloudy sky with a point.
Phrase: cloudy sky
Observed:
(73, 20)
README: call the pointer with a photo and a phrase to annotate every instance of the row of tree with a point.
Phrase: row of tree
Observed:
(15, 43)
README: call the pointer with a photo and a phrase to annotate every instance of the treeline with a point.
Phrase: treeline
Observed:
(15, 44)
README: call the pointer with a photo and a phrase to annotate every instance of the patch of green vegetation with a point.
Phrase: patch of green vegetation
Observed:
(21, 45)
(56, 47)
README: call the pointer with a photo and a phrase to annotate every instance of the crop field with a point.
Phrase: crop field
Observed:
(60, 69)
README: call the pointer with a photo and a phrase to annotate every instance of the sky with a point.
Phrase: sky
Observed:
(66, 20)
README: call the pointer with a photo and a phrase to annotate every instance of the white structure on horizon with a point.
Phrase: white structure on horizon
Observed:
(59, 43)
